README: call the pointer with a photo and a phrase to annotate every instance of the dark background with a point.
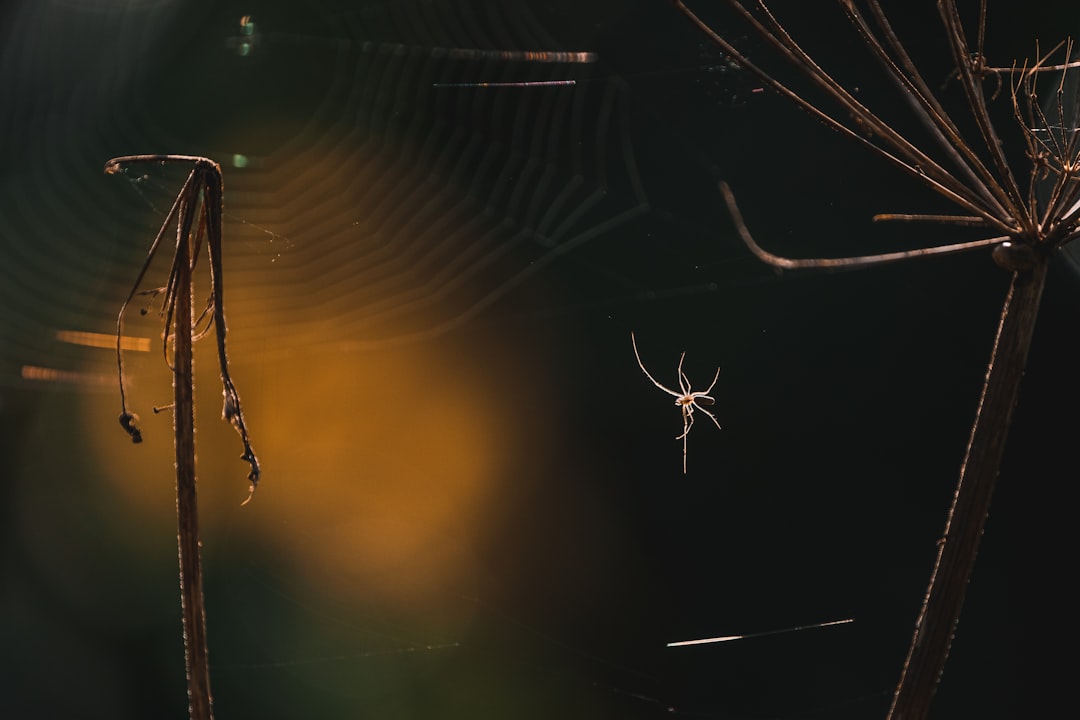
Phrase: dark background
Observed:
(472, 502)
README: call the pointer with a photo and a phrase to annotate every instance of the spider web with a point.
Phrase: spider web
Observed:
(367, 209)
(394, 208)
(410, 209)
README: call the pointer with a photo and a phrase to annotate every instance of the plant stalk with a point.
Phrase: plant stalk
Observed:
(959, 544)
(187, 514)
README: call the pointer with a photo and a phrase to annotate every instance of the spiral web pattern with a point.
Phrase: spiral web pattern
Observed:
(367, 183)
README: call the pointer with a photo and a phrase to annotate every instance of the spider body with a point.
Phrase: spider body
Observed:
(685, 398)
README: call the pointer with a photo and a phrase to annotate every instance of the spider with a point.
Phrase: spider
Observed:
(687, 400)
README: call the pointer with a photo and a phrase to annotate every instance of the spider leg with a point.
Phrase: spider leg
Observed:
(684, 382)
(711, 417)
(707, 390)
(688, 421)
(642, 366)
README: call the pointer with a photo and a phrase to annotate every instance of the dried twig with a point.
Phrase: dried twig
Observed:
(199, 198)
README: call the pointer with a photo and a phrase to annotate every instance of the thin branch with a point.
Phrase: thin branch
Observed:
(966, 220)
(927, 107)
(972, 86)
(918, 165)
(846, 263)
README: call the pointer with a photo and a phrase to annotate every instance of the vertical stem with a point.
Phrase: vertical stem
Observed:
(959, 544)
(187, 515)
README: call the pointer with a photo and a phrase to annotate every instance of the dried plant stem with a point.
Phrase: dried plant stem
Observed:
(187, 513)
(959, 543)
(197, 214)
(1024, 225)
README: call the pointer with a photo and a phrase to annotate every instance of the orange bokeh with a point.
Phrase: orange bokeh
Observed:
(379, 466)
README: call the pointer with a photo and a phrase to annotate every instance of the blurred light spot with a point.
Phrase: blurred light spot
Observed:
(383, 464)
(245, 42)
(103, 340)
(384, 470)
(68, 377)
(239, 161)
